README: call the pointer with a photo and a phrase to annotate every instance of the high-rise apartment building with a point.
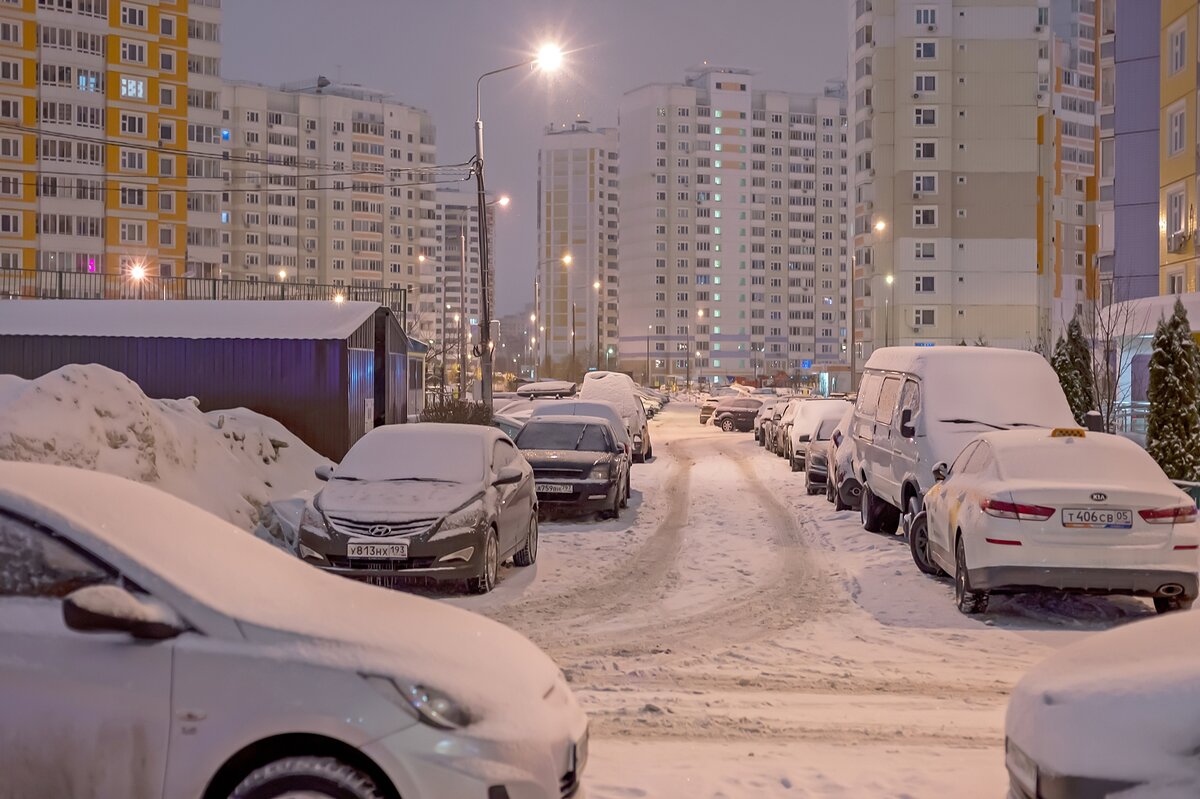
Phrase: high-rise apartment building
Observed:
(451, 292)
(969, 193)
(733, 217)
(577, 298)
(207, 236)
(328, 183)
(102, 125)
(1179, 169)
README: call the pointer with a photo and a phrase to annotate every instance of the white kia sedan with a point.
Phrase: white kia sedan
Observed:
(151, 649)
(1023, 510)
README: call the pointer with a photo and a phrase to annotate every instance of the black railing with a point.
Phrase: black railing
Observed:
(43, 284)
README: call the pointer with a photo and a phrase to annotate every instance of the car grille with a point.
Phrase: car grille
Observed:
(559, 474)
(379, 529)
(379, 564)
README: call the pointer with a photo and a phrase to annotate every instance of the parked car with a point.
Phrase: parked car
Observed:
(448, 502)
(153, 649)
(736, 414)
(1061, 510)
(842, 487)
(809, 416)
(783, 428)
(509, 425)
(1108, 715)
(761, 416)
(816, 460)
(600, 408)
(708, 406)
(578, 462)
(621, 391)
(918, 406)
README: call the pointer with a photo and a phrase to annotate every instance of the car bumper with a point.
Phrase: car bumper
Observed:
(585, 496)
(547, 763)
(1133, 582)
(1027, 780)
(445, 559)
(817, 473)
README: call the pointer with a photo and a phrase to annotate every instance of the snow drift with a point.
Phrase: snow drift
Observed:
(232, 463)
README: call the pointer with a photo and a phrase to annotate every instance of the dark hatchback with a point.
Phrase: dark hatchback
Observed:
(736, 414)
(578, 464)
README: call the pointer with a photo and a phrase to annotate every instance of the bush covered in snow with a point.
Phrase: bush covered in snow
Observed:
(232, 462)
(1173, 433)
(456, 411)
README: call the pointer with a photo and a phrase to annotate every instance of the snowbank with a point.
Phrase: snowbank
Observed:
(231, 463)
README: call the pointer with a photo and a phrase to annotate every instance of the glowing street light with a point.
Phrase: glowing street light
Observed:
(880, 226)
(137, 272)
(503, 201)
(339, 298)
(549, 58)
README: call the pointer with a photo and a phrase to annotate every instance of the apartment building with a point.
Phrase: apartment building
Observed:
(577, 298)
(733, 217)
(1179, 157)
(327, 183)
(451, 288)
(955, 192)
(99, 100)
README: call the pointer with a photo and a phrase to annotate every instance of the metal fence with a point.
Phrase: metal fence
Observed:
(46, 284)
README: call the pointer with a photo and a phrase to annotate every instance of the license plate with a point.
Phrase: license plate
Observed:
(1097, 517)
(553, 488)
(398, 550)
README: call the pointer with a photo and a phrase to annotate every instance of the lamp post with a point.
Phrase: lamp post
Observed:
(648, 329)
(887, 304)
(462, 306)
(549, 58)
(462, 379)
(574, 366)
(599, 321)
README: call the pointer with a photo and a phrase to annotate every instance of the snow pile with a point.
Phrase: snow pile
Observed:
(231, 463)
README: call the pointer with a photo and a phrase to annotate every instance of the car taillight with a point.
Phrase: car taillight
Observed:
(1180, 515)
(1015, 510)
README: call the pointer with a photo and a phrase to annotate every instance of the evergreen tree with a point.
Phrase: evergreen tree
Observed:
(1068, 377)
(1173, 437)
(1080, 353)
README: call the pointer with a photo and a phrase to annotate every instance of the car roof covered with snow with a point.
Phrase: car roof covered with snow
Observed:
(1041, 454)
(570, 419)
(209, 319)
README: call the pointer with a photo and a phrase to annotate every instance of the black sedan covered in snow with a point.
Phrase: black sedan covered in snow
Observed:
(578, 463)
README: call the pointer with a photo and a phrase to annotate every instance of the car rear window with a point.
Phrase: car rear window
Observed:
(576, 437)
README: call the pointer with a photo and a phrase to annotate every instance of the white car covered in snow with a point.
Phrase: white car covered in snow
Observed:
(1112, 715)
(151, 649)
(1061, 509)
(622, 392)
(809, 415)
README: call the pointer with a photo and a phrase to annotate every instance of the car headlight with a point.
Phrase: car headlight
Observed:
(598, 473)
(430, 705)
(468, 516)
(312, 520)
(818, 460)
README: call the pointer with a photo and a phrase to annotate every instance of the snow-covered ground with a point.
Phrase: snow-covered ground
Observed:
(229, 462)
(732, 637)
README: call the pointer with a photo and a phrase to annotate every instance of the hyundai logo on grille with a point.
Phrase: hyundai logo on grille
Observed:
(1099, 496)
(382, 529)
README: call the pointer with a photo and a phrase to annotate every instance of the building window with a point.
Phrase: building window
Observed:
(925, 83)
(924, 317)
(925, 250)
(923, 284)
(133, 16)
(133, 124)
(1176, 130)
(1175, 284)
(926, 50)
(1175, 211)
(1178, 37)
(10, 223)
(926, 16)
(133, 52)
(924, 117)
(166, 26)
(925, 217)
(10, 71)
(925, 150)
(925, 183)
(133, 232)
(166, 60)
(134, 88)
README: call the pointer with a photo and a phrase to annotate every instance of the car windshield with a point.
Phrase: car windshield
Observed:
(825, 430)
(582, 437)
(409, 452)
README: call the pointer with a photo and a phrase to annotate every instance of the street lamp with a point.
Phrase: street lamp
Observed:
(548, 59)
(887, 304)
(648, 329)
(137, 273)
(599, 321)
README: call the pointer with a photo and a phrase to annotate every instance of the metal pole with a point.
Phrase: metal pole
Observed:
(599, 321)
(485, 327)
(647, 356)
(887, 323)
(574, 366)
(462, 304)
(444, 339)
(853, 318)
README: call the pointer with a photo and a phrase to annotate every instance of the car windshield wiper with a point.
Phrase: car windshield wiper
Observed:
(416, 480)
(579, 440)
(975, 421)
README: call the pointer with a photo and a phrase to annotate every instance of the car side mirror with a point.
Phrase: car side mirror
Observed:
(508, 475)
(906, 426)
(110, 608)
(940, 470)
(324, 472)
(804, 437)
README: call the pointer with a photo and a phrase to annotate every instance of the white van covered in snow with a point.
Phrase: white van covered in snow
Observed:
(918, 406)
(621, 391)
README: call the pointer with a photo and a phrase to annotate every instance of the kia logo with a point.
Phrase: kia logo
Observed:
(1099, 496)
(381, 529)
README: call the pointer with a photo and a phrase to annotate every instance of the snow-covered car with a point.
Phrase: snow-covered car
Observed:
(576, 407)
(152, 649)
(783, 428)
(447, 502)
(577, 461)
(809, 415)
(509, 425)
(621, 391)
(1111, 715)
(548, 389)
(709, 405)
(735, 413)
(1064, 510)
(761, 416)
(918, 406)
(842, 487)
(816, 456)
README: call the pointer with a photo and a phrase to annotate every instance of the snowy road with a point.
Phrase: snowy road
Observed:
(732, 637)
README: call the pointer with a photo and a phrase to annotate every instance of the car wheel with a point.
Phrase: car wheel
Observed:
(830, 482)
(486, 580)
(625, 496)
(794, 463)
(869, 512)
(727, 425)
(615, 511)
(968, 601)
(918, 544)
(306, 776)
(527, 555)
(1168, 604)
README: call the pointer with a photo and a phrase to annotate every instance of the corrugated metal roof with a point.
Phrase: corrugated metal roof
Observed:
(191, 319)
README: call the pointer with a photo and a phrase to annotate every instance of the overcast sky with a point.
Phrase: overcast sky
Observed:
(428, 53)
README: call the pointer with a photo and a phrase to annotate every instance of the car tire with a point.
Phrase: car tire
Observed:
(486, 580)
(1170, 604)
(527, 555)
(969, 601)
(830, 482)
(625, 496)
(615, 511)
(869, 512)
(307, 776)
(918, 545)
(795, 464)
(727, 425)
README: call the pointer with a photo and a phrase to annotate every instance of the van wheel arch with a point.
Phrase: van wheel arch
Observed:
(268, 750)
